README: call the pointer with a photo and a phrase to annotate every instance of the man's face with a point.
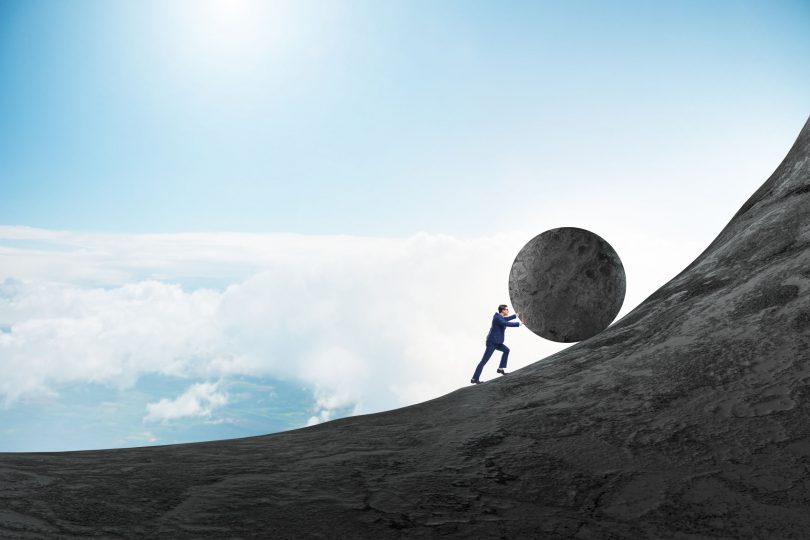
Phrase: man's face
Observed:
(505, 312)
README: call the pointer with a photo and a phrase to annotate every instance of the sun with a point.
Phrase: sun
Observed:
(229, 30)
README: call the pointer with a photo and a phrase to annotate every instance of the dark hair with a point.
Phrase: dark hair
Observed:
(501, 307)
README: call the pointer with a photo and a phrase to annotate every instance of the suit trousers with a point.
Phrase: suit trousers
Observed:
(491, 348)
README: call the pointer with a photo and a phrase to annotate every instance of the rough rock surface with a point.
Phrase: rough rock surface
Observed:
(567, 284)
(689, 418)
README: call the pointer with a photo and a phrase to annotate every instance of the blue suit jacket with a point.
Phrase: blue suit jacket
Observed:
(499, 324)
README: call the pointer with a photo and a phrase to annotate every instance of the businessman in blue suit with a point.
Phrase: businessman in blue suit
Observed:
(495, 341)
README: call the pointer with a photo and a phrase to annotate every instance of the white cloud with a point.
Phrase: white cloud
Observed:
(143, 436)
(369, 323)
(198, 400)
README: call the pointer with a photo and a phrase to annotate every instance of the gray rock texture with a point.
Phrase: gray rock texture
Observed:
(567, 284)
(688, 418)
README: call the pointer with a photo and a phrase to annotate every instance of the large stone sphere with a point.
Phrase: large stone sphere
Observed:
(568, 284)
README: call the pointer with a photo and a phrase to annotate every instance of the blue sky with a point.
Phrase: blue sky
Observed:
(378, 118)
(203, 202)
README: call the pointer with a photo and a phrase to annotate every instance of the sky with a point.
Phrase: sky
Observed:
(227, 218)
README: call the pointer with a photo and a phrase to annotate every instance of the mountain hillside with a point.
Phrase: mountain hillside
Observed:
(688, 418)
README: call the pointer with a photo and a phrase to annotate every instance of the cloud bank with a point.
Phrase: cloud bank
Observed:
(368, 323)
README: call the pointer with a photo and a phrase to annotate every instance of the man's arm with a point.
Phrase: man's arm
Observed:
(504, 321)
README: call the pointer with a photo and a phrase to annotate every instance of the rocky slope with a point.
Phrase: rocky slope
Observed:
(688, 418)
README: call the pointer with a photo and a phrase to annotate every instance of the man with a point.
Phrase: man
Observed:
(495, 341)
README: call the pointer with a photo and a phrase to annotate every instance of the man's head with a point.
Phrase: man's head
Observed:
(502, 309)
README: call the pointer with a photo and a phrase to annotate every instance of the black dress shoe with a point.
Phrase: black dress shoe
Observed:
(475, 381)
(502, 372)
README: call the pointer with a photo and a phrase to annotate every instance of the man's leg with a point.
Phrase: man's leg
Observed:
(504, 356)
(484, 359)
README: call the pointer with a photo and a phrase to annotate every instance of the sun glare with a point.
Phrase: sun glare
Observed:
(229, 30)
